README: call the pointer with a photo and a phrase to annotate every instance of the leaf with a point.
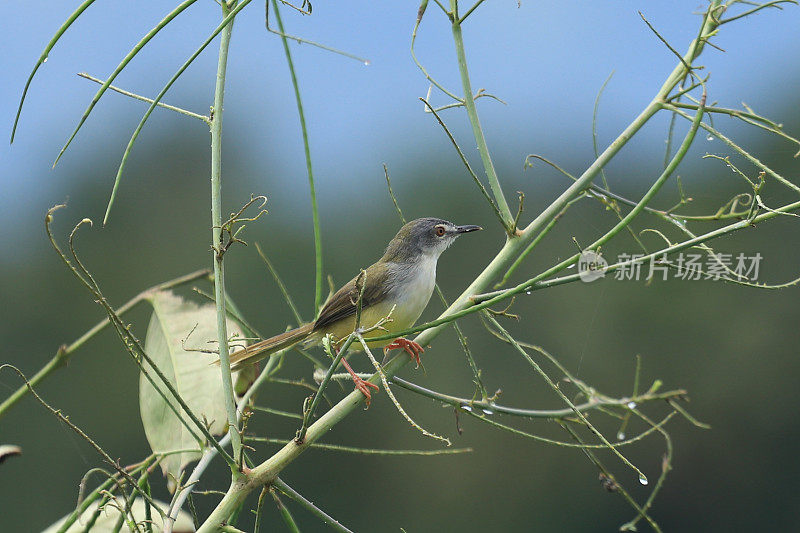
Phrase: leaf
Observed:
(8, 450)
(177, 329)
(110, 514)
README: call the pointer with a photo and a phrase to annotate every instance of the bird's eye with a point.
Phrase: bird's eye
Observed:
(439, 230)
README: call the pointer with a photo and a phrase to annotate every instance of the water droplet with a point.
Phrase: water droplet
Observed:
(710, 137)
(367, 63)
(488, 412)
(631, 405)
(528, 292)
(642, 479)
(44, 60)
(466, 408)
(620, 436)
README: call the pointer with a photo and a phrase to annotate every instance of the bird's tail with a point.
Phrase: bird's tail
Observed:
(262, 349)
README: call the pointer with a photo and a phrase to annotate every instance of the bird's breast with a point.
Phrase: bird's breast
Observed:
(412, 292)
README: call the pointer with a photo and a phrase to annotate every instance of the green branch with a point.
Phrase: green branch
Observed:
(307, 150)
(43, 57)
(364, 451)
(141, 98)
(552, 414)
(477, 131)
(217, 238)
(299, 498)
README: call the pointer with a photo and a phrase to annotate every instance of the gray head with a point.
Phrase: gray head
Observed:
(424, 236)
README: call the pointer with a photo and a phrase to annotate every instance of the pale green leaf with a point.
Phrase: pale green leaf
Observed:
(177, 330)
(110, 514)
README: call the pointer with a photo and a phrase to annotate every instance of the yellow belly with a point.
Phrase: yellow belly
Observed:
(402, 318)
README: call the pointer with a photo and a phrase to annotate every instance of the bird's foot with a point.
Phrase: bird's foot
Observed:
(412, 348)
(360, 384)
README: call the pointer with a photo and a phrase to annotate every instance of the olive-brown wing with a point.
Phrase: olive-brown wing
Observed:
(342, 303)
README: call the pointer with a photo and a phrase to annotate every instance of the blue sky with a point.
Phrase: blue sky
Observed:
(547, 60)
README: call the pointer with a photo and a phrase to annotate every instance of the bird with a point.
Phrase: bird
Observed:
(399, 286)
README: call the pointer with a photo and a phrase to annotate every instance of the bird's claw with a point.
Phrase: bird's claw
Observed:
(411, 348)
(364, 387)
(360, 384)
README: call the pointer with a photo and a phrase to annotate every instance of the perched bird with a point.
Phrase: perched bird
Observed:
(400, 284)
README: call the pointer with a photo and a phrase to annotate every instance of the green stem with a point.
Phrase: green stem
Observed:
(288, 519)
(469, 12)
(260, 510)
(280, 284)
(423, 6)
(314, 210)
(755, 161)
(619, 488)
(533, 245)
(43, 58)
(309, 414)
(146, 99)
(64, 353)
(364, 451)
(560, 393)
(299, 498)
(594, 403)
(217, 236)
(666, 466)
(477, 131)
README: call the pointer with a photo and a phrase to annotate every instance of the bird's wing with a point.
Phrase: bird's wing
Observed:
(342, 303)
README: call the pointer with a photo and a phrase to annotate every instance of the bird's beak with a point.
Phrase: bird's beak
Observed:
(467, 229)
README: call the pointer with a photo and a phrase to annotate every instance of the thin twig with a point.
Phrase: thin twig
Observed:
(135, 96)
(394, 399)
(309, 171)
(364, 451)
(286, 296)
(475, 178)
(477, 130)
(299, 498)
(491, 407)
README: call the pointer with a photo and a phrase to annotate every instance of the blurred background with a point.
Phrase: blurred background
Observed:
(733, 348)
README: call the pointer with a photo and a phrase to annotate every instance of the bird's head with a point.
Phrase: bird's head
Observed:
(424, 236)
